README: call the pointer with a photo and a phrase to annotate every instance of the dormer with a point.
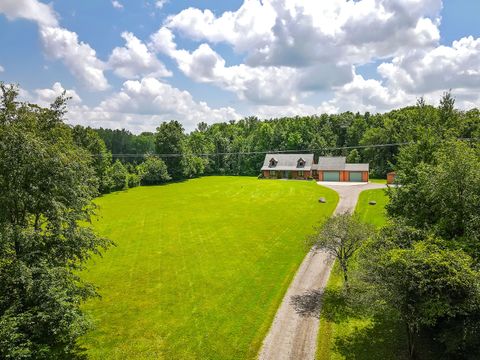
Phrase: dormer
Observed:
(273, 162)
(300, 163)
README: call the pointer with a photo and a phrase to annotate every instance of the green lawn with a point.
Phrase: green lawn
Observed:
(373, 214)
(200, 266)
(349, 333)
(378, 181)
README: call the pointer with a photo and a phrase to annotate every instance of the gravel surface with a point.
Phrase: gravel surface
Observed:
(293, 335)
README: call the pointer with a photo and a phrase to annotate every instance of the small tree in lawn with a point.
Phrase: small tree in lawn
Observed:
(341, 236)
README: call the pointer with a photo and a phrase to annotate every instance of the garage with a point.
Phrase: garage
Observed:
(331, 176)
(355, 176)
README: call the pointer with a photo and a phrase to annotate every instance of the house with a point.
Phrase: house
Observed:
(302, 166)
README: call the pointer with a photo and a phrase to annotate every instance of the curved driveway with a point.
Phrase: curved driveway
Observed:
(293, 336)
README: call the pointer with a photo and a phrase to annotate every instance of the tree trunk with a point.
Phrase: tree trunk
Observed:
(410, 341)
(345, 275)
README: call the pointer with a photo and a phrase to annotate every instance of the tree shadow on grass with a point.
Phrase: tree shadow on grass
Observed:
(384, 338)
(331, 303)
(361, 334)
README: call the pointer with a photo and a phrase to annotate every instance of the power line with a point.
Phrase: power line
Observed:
(174, 155)
(263, 152)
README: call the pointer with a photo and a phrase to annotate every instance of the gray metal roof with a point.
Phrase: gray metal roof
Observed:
(331, 163)
(357, 167)
(287, 162)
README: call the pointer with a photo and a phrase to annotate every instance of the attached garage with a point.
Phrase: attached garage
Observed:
(355, 176)
(331, 176)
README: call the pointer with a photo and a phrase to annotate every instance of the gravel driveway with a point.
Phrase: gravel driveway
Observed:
(292, 335)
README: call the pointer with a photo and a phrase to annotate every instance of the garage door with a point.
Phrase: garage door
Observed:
(331, 176)
(355, 176)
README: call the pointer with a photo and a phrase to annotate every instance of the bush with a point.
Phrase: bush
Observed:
(153, 171)
(118, 175)
(133, 180)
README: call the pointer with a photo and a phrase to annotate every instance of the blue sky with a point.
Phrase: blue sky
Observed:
(133, 64)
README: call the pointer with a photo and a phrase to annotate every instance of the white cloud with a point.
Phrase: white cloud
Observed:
(34, 10)
(59, 43)
(79, 57)
(142, 104)
(273, 85)
(117, 4)
(160, 3)
(300, 33)
(438, 68)
(292, 47)
(134, 60)
(44, 97)
(2, 69)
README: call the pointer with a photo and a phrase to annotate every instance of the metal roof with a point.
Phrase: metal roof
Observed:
(291, 162)
(357, 167)
(287, 162)
(330, 163)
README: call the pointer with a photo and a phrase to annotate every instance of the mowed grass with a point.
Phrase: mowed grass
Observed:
(200, 267)
(372, 214)
(353, 333)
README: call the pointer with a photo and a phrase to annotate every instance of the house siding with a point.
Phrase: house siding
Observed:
(365, 176)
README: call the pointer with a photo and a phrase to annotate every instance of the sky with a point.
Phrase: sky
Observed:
(135, 63)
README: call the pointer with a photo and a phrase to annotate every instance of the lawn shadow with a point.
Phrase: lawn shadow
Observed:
(331, 303)
(383, 339)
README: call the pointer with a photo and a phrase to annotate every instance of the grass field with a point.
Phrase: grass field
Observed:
(347, 333)
(378, 181)
(200, 267)
(373, 214)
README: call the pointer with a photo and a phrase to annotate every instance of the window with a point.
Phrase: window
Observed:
(273, 162)
(300, 163)
(272, 173)
(300, 173)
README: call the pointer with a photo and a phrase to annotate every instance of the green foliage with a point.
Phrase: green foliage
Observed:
(101, 157)
(153, 171)
(443, 195)
(354, 157)
(341, 236)
(236, 147)
(169, 139)
(47, 183)
(425, 282)
(118, 175)
(133, 180)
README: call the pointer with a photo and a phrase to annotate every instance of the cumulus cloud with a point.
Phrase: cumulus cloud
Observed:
(134, 60)
(34, 10)
(44, 97)
(438, 68)
(60, 43)
(301, 33)
(117, 4)
(142, 104)
(292, 47)
(273, 85)
(79, 57)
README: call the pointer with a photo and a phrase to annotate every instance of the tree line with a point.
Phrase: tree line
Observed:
(237, 148)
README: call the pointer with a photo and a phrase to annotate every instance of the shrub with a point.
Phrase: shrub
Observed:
(153, 171)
